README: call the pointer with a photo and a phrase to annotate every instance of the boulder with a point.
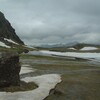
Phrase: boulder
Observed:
(9, 69)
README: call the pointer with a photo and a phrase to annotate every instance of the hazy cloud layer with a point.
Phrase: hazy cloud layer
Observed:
(54, 21)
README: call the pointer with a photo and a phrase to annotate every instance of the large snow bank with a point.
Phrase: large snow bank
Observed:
(4, 45)
(73, 54)
(89, 48)
(45, 83)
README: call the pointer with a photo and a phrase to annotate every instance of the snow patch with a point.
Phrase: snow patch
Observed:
(72, 48)
(4, 45)
(9, 40)
(26, 69)
(89, 48)
(45, 83)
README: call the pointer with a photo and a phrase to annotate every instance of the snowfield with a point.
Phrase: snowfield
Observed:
(4, 45)
(26, 69)
(89, 48)
(45, 83)
(73, 54)
(72, 48)
(9, 40)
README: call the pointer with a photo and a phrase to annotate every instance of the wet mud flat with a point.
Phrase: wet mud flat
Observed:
(80, 79)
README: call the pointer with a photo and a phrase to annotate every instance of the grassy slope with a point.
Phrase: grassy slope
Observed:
(16, 48)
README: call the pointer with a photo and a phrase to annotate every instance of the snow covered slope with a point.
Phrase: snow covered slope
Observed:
(4, 45)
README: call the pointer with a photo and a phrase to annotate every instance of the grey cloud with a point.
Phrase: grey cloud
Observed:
(53, 21)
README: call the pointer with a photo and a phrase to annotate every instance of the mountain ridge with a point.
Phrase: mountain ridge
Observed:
(7, 31)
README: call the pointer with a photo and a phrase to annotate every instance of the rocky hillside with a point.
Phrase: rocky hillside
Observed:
(7, 32)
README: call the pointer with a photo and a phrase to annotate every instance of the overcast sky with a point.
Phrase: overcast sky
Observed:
(54, 21)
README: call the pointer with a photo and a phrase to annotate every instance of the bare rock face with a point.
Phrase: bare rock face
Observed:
(9, 69)
(7, 31)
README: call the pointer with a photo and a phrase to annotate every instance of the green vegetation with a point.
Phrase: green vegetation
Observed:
(23, 87)
(17, 48)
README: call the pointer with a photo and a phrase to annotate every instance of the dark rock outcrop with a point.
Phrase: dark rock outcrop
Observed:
(7, 31)
(9, 69)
